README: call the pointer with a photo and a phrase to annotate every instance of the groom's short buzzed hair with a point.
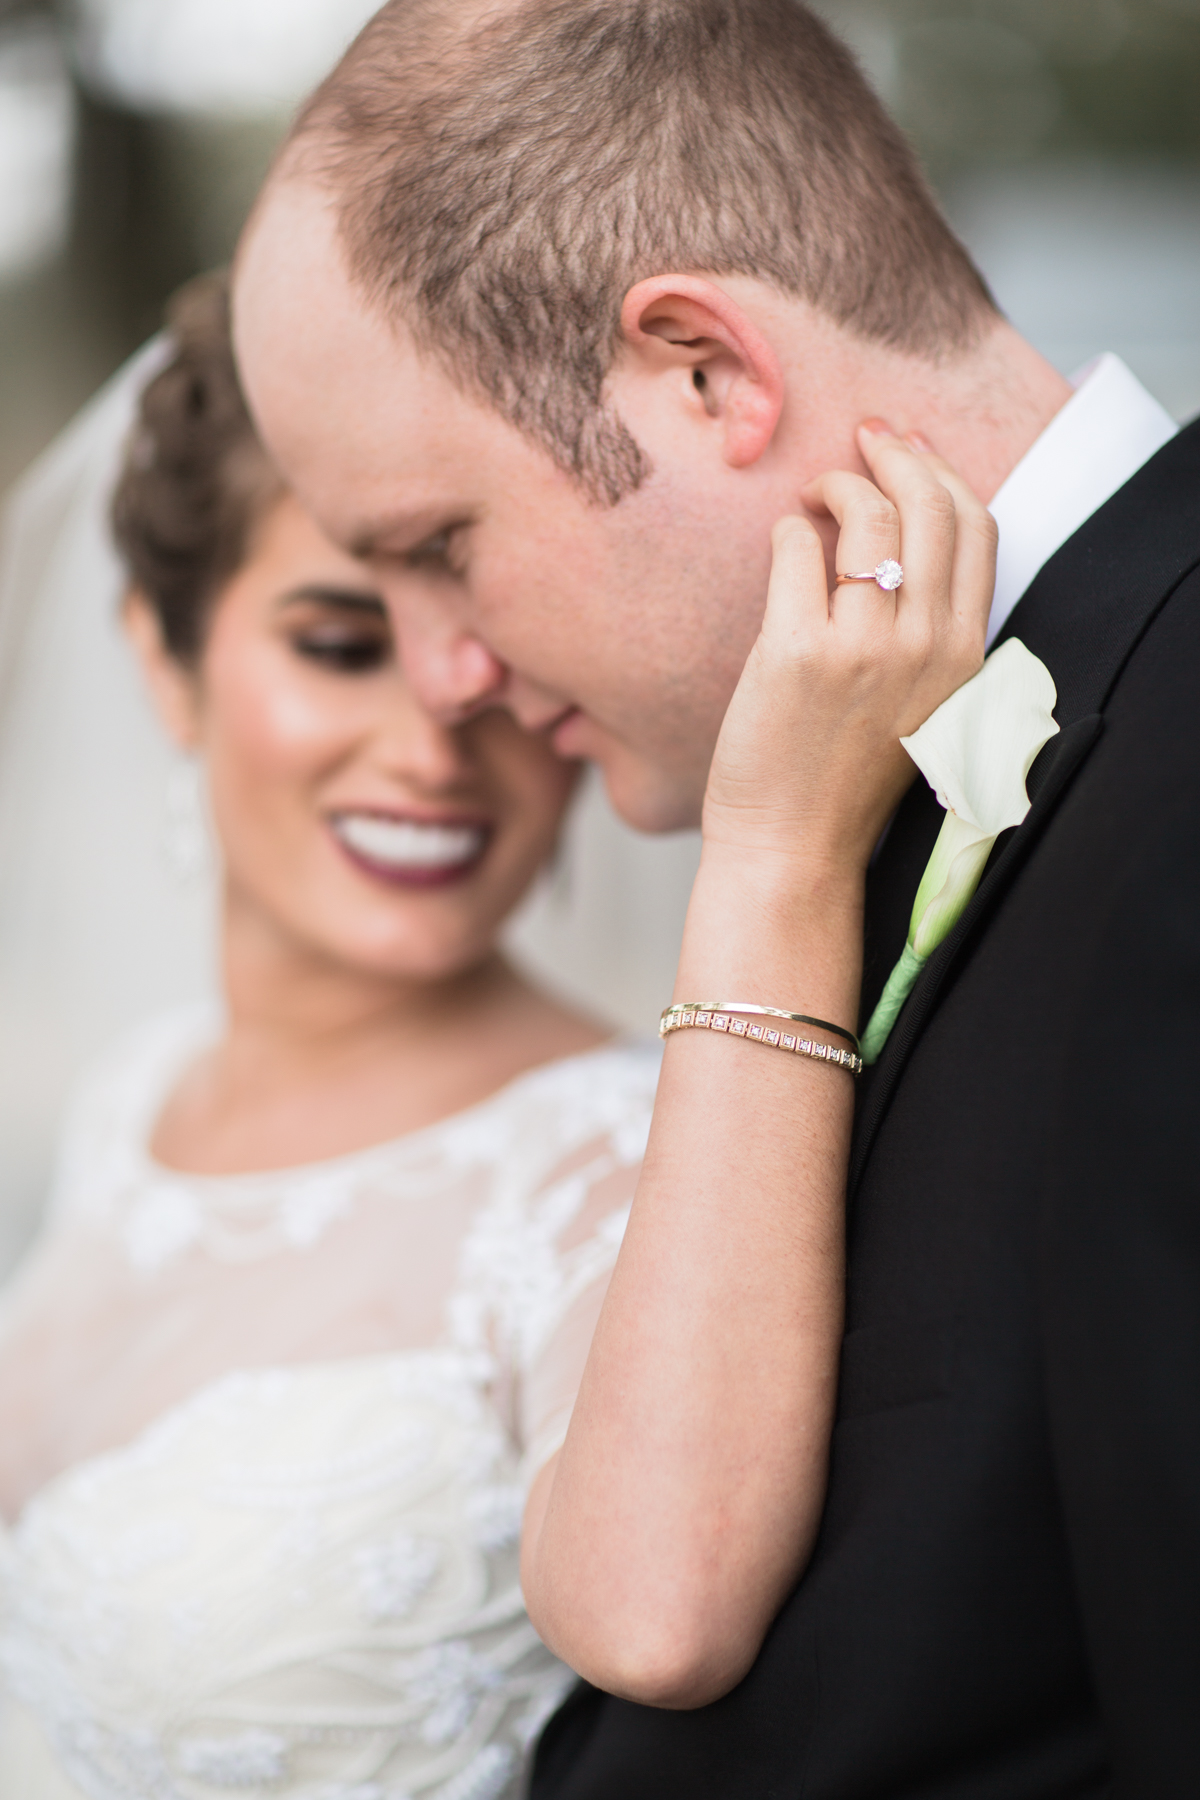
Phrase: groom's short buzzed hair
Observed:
(504, 174)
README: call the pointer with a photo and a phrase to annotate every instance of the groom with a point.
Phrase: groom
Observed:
(550, 310)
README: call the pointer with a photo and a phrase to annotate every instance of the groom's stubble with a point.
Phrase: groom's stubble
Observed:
(520, 565)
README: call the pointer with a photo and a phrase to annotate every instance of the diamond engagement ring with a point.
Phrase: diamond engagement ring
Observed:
(887, 575)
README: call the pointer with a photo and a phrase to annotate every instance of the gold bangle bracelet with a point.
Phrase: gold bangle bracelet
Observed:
(709, 1019)
(760, 1012)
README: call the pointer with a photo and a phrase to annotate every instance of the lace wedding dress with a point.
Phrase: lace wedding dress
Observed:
(264, 1443)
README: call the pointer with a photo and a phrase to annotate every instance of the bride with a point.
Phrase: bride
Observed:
(321, 1270)
(291, 1377)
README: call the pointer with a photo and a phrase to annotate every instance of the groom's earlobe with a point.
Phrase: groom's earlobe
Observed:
(688, 333)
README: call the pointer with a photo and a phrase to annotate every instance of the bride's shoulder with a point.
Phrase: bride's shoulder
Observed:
(562, 1129)
(594, 1104)
(115, 1100)
(596, 1090)
(626, 1063)
(145, 1057)
(565, 1142)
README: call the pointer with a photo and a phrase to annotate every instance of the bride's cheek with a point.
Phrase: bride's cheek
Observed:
(266, 748)
(275, 720)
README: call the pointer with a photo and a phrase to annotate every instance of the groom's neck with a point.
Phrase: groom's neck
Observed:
(982, 407)
(987, 409)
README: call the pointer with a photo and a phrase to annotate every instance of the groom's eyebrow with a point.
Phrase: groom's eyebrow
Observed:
(365, 542)
(403, 534)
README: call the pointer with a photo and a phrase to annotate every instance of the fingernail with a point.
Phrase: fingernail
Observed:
(877, 427)
(919, 442)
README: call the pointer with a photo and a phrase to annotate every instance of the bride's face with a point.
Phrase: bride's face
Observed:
(350, 823)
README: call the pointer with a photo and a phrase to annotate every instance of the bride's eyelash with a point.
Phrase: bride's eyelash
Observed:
(344, 652)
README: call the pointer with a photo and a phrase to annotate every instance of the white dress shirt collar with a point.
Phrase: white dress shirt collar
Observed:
(1108, 428)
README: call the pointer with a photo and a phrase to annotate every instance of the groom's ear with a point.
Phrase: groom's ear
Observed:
(687, 336)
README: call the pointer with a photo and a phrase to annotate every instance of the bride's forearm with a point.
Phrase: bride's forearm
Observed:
(686, 1497)
(761, 919)
(684, 1503)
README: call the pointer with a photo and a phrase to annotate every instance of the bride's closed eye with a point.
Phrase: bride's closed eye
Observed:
(346, 633)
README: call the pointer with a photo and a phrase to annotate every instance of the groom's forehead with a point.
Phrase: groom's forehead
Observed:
(292, 290)
(378, 439)
(318, 360)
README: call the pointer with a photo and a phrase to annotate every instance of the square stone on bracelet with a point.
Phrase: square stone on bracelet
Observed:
(720, 1023)
(789, 1043)
(772, 1037)
(738, 1027)
(703, 1018)
(756, 1031)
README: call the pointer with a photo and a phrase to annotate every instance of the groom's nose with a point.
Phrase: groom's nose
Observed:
(450, 672)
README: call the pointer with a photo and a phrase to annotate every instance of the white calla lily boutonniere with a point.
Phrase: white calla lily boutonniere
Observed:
(975, 752)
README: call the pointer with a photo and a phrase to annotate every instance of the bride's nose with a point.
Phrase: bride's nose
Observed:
(411, 745)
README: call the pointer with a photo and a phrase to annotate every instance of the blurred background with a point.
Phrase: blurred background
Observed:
(1063, 136)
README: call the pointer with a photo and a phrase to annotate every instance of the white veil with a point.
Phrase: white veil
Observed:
(96, 929)
(99, 926)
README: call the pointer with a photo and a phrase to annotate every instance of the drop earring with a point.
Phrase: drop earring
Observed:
(185, 836)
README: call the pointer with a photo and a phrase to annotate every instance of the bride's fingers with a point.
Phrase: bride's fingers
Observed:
(869, 527)
(974, 577)
(928, 521)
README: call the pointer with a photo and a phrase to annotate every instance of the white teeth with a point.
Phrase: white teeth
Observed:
(406, 844)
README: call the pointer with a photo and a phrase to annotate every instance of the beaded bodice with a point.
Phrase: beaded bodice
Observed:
(295, 1574)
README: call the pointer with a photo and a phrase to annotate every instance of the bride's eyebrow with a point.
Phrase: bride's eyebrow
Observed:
(342, 599)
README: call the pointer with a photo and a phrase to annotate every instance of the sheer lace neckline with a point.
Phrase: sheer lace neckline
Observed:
(180, 1039)
(157, 1215)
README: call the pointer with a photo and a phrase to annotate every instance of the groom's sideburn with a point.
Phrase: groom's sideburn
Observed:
(1004, 1600)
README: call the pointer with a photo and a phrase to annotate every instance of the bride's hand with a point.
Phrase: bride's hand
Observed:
(808, 766)
(683, 1506)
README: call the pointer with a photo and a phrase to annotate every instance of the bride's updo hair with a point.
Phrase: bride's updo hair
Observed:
(196, 479)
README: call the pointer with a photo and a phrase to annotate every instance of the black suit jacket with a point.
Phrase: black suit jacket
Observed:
(1004, 1601)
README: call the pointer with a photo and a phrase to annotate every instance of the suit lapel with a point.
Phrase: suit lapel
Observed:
(1086, 609)
(1083, 615)
(1071, 747)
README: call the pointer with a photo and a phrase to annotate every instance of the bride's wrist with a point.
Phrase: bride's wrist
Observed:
(779, 930)
(789, 882)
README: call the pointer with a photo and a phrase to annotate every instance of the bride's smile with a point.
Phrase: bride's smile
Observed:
(422, 852)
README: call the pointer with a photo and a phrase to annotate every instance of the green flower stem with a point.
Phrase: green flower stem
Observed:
(899, 986)
(951, 877)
